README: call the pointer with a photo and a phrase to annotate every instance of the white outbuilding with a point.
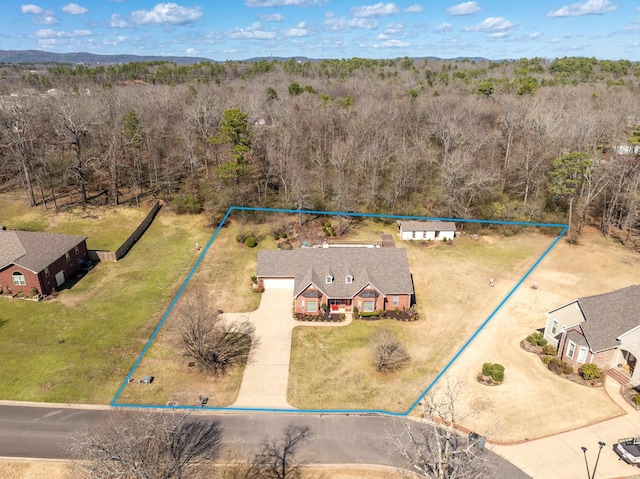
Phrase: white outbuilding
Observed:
(427, 230)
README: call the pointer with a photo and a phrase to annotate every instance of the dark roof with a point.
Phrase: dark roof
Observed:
(427, 226)
(386, 269)
(608, 316)
(34, 251)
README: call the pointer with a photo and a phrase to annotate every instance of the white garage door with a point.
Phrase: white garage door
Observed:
(278, 283)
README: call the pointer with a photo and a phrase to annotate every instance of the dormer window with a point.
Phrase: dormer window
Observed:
(328, 279)
(349, 279)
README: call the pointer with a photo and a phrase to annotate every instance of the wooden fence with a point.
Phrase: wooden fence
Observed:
(130, 241)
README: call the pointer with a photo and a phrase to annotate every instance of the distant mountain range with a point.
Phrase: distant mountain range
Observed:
(39, 56)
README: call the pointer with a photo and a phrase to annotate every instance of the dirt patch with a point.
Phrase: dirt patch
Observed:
(534, 402)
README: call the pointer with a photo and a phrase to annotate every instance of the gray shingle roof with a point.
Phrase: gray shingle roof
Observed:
(387, 269)
(427, 226)
(34, 251)
(610, 315)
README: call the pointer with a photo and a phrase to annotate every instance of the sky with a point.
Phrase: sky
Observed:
(243, 29)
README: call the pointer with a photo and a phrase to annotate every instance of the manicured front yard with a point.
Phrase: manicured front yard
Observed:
(331, 369)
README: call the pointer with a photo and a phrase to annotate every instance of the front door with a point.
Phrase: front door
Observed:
(60, 278)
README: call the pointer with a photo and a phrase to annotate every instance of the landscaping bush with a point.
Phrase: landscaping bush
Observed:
(560, 367)
(636, 399)
(240, 237)
(549, 350)
(250, 242)
(547, 359)
(372, 314)
(276, 236)
(356, 313)
(590, 371)
(494, 370)
(537, 339)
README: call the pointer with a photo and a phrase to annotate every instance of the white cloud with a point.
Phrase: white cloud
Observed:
(254, 31)
(633, 26)
(492, 25)
(166, 14)
(535, 35)
(499, 34)
(413, 9)
(33, 9)
(466, 8)
(300, 30)
(274, 17)
(378, 10)
(117, 21)
(50, 33)
(74, 9)
(394, 28)
(392, 44)
(443, 27)
(590, 7)
(46, 20)
(41, 16)
(382, 36)
(190, 51)
(331, 22)
(284, 3)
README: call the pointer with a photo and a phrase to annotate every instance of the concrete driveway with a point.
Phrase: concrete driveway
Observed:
(265, 379)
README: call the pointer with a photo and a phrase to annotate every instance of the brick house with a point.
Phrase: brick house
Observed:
(371, 279)
(602, 329)
(427, 230)
(43, 261)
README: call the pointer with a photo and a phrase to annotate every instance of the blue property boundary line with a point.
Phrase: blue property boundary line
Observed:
(335, 213)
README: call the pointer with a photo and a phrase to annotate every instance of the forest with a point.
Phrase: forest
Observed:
(523, 140)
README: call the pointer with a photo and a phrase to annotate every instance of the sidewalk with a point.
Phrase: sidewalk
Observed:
(560, 456)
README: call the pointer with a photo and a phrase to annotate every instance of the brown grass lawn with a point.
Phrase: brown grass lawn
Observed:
(331, 369)
(533, 402)
(225, 273)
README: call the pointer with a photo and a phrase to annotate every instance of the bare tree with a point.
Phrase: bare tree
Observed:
(434, 448)
(147, 446)
(388, 353)
(215, 344)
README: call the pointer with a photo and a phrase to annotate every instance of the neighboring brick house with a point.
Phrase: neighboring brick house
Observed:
(427, 230)
(371, 279)
(43, 261)
(602, 329)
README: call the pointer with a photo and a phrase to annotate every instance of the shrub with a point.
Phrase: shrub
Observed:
(240, 237)
(547, 359)
(495, 370)
(324, 307)
(276, 236)
(636, 399)
(254, 279)
(590, 371)
(283, 235)
(356, 314)
(536, 339)
(33, 291)
(560, 367)
(388, 353)
(372, 314)
(549, 350)
(327, 224)
(250, 242)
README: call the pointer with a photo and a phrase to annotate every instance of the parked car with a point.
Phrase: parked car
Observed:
(628, 449)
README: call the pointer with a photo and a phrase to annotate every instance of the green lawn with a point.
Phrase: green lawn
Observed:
(80, 346)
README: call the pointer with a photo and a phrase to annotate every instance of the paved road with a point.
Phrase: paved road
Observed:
(44, 432)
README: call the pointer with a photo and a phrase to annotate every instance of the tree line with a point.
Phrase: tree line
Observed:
(467, 138)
